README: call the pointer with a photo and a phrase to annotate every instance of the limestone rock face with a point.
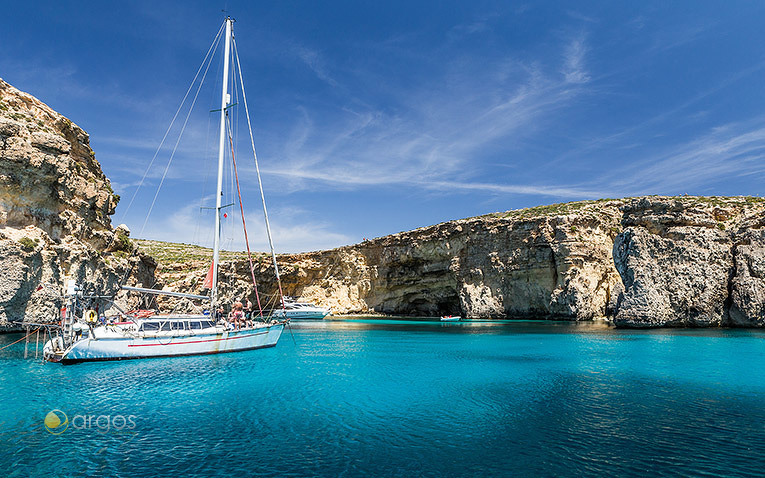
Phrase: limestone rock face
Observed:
(50, 177)
(747, 299)
(692, 292)
(520, 264)
(55, 203)
(677, 260)
(644, 262)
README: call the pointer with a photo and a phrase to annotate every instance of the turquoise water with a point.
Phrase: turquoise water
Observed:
(399, 398)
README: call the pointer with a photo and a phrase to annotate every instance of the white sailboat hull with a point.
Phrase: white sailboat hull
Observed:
(125, 348)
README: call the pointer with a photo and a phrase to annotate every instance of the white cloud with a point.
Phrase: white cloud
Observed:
(580, 16)
(727, 151)
(435, 131)
(573, 68)
(537, 190)
(315, 61)
(291, 230)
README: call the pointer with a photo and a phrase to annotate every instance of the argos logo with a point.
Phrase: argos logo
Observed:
(56, 422)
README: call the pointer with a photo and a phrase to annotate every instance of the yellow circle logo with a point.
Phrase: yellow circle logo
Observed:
(56, 422)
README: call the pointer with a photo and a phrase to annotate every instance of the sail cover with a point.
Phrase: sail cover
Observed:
(207, 284)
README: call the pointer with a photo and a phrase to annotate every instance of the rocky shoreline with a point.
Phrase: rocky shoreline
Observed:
(639, 262)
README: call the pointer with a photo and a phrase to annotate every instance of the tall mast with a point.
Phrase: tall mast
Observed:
(221, 145)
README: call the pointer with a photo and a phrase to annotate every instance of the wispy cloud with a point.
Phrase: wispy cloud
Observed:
(580, 16)
(292, 231)
(56, 81)
(315, 61)
(574, 68)
(535, 190)
(668, 39)
(727, 151)
(480, 25)
(632, 137)
(432, 138)
(129, 158)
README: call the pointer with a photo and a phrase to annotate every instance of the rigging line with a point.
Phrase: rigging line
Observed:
(197, 236)
(175, 148)
(135, 193)
(207, 236)
(289, 327)
(257, 170)
(241, 208)
(230, 192)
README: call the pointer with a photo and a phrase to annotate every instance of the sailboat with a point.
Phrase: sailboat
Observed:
(85, 336)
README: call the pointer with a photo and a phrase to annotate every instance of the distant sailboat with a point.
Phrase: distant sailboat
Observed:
(84, 336)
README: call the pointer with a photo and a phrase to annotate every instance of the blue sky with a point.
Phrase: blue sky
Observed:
(377, 117)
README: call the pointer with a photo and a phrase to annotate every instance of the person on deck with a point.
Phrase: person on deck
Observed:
(237, 315)
(247, 308)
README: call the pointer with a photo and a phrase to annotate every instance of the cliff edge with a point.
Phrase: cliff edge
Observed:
(55, 207)
(641, 262)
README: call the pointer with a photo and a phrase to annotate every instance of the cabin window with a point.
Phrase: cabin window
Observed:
(180, 325)
(164, 326)
(149, 326)
(195, 325)
(206, 324)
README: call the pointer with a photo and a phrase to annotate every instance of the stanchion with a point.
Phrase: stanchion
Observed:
(26, 342)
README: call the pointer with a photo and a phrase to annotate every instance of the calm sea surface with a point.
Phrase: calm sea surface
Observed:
(402, 398)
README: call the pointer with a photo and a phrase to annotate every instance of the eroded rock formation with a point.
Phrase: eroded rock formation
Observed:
(677, 259)
(55, 204)
(643, 262)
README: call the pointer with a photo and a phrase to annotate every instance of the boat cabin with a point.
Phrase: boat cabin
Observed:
(157, 325)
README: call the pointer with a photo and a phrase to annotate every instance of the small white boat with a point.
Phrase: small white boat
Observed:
(301, 310)
(451, 318)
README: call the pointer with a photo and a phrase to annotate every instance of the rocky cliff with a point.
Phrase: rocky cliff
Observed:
(55, 203)
(691, 262)
(640, 262)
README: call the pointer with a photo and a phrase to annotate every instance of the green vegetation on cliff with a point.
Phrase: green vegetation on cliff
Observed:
(562, 209)
(171, 252)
